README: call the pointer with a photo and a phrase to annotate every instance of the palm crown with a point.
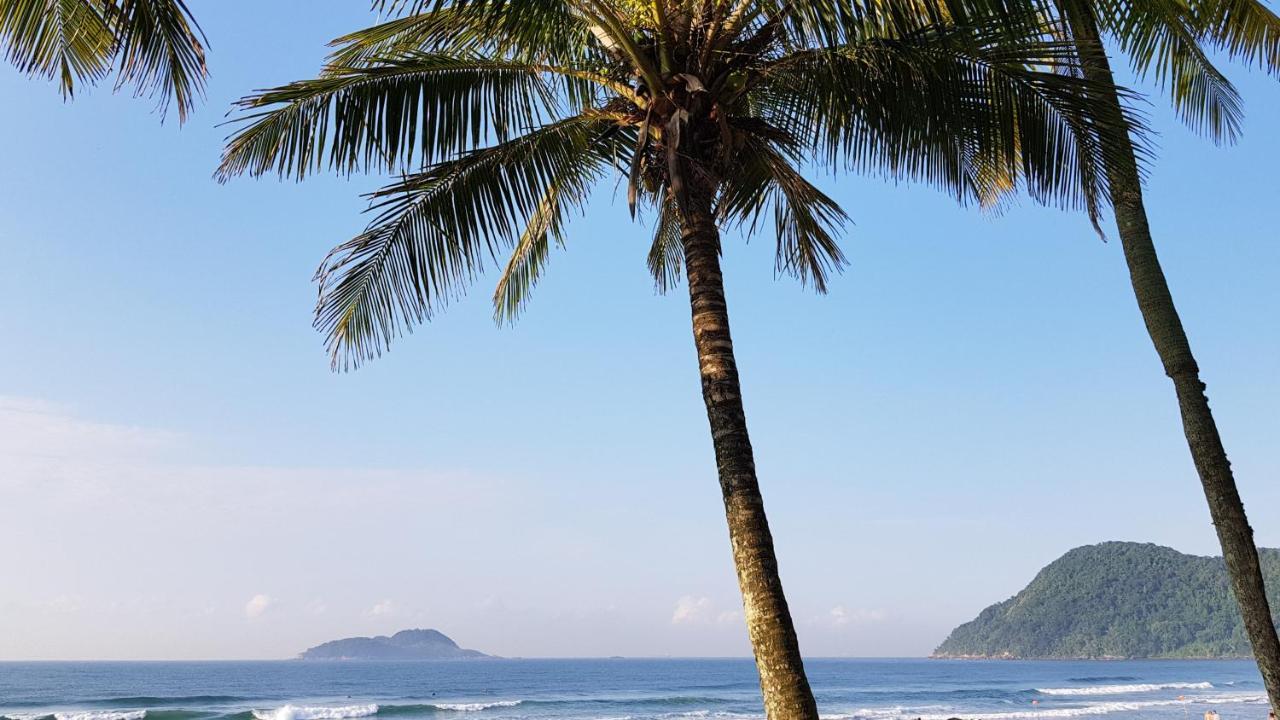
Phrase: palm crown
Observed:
(500, 117)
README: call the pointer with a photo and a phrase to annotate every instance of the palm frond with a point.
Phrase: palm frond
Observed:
(1245, 29)
(537, 31)
(805, 220)
(1161, 41)
(666, 252)
(832, 23)
(434, 230)
(951, 108)
(418, 109)
(528, 258)
(161, 52)
(65, 39)
(155, 45)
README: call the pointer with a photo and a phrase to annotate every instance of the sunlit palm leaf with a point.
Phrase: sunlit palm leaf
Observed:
(805, 221)
(154, 45)
(528, 258)
(946, 106)
(666, 252)
(160, 52)
(1246, 29)
(416, 109)
(65, 39)
(434, 230)
(536, 32)
(1161, 41)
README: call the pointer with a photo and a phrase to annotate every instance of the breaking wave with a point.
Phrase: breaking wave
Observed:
(1102, 708)
(1125, 689)
(475, 706)
(101, 715)
(304, 712)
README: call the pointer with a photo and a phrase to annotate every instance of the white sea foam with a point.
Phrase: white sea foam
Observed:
(1099, 708)
(473, 707)
(1125, 689)
(887, 713)
(101, 715)
(304, 712)
(699, 714)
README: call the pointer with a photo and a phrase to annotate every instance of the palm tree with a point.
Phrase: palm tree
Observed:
(1168, 38)
(501, 116)
(154, 45)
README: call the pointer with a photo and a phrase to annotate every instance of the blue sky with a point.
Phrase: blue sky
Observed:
(181, 476)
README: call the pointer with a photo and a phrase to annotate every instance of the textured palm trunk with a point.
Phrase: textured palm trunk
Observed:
(1170, 340)
(773, 637)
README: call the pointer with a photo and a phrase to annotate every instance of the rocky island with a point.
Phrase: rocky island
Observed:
(404, 645)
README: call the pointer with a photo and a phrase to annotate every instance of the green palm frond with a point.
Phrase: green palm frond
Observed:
(539, 32)
(154, 45)
(666, 252)
(415, 109)
(805, 221)
(949, 107)
(529, 258)
(1245, 29)
(65, 39)
(1162, 42)
(160, 52)
(832, 23)
(434, 230)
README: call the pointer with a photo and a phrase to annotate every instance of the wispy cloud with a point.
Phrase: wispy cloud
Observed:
(36, 429)
(183, 513)
(257, 606)
(691, 609)
(840, 616)
(696, 609)
(728, 617)
(382, 608)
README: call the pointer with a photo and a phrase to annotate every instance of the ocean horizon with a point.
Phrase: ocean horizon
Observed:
(620, 688)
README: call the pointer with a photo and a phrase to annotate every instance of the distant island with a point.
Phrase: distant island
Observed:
(1117, 600)
(404, 645)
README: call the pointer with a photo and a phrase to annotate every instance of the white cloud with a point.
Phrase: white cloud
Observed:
(257, 605)
(839, 616)
(64, 604)
(383, 609)
(729, 617)
(39, 431)
(691, 609)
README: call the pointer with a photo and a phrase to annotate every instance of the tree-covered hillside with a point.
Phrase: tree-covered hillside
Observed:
(1117, 600)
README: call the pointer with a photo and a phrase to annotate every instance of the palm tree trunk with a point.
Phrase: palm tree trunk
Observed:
(773, 637)
(1170, 340)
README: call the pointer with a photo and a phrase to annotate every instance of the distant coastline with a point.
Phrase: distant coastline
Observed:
(1083, 658)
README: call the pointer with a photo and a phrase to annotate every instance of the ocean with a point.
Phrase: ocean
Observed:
(624, 689)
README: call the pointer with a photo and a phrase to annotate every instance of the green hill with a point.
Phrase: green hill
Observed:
(1117, 600)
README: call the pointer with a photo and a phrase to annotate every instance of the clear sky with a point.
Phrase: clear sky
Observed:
(182, 477)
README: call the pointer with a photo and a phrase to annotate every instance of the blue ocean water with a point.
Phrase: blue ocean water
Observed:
(625, 689)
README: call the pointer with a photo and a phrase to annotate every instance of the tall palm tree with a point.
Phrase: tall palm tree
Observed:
(501, 116)
(1169, 39)
(154, 45)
